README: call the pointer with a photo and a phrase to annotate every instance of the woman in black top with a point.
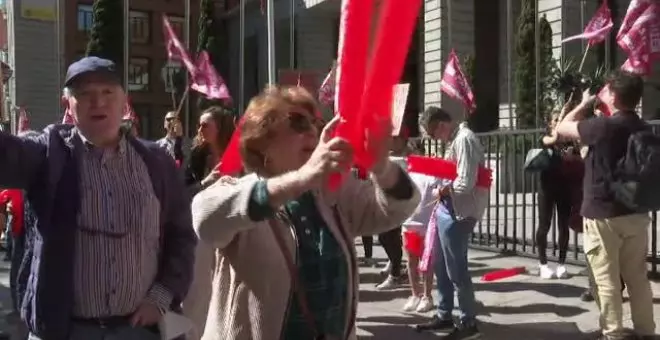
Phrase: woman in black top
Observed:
(557, 191)
(216, 126)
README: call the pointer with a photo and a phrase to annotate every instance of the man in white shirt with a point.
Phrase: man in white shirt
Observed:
(463, 205)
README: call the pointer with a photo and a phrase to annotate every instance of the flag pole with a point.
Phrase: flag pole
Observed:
(270, 26)
(127, 42)
(241, 56)
(292, 35)
(184, 99)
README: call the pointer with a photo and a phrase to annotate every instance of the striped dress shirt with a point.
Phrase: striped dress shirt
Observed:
(117, 242)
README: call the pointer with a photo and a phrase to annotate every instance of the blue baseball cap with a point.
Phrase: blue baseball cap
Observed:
(89, 65)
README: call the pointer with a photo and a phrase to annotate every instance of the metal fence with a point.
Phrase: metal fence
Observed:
(510, 221)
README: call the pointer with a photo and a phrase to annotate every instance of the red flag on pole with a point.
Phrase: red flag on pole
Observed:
(635, 10)
(23, 121)
(455, 84)
(231, 163)
(175, 49)
(604, 98)
(68, 117)
(129, 113)
(207, 81)
(598, 27)
(327, 89)
(642, 41)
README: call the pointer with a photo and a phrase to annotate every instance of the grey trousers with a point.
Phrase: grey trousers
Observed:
(88, 332)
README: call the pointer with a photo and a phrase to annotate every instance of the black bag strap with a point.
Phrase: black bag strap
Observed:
(295, 279)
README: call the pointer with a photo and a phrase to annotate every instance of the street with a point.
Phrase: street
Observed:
(522, 307)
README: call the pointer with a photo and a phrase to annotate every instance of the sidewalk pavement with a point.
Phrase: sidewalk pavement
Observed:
(522, 307)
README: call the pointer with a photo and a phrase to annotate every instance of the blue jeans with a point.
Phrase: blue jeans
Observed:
(451, 266)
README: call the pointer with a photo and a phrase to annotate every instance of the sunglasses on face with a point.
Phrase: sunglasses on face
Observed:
(300, 122)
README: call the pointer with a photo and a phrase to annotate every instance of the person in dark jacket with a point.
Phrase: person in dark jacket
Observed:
(113, 245)
(556, 194)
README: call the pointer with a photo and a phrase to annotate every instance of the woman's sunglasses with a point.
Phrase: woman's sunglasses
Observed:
(301, 123)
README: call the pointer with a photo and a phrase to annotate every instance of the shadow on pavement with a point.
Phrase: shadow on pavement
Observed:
(535, 308)
(557, 290)
(390, 328)
(383, 295)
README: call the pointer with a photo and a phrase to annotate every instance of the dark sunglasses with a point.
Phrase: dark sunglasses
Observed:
(301, 123)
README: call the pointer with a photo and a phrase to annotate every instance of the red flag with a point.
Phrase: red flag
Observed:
(23, 121)
(598, 27)
(175, 49)
(455, 84)
(68, 117)
(327, 89)
(604, 98)
(231, 163)
(642, 41)
(129, 114)
(635, 10)
(207, 81)
(444, 169)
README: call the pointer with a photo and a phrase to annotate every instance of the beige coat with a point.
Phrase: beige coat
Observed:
(251, 286)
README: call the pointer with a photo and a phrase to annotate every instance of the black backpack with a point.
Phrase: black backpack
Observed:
(636, 179)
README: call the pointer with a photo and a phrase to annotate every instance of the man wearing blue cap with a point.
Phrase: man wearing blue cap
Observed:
(113, 246)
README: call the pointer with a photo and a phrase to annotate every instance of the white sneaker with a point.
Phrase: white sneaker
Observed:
(389, 283)
(561, 272)
(411, 304)
(425, 305)
(386, 270)
(546, 272)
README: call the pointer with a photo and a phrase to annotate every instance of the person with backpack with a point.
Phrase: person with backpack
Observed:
(618, 189)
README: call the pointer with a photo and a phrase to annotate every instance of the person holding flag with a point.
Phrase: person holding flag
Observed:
(463, 205)
(285, 237)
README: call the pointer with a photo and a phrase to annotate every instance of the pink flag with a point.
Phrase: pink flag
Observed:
(598, 27)
(327, 89)
(129, 113)
(642, 41)
(603, 96)
(635, 10)
(175, 49)
(207, 81)
(23, 121)
(455, 84)
(68, 118)
(429, 243)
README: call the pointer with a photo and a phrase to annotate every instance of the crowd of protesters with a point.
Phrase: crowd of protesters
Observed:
(107, 233)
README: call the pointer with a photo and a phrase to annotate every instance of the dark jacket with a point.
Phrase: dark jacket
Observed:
(47, 168)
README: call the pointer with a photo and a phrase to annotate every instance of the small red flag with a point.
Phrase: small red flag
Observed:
(175, 49)
(642, 41)
(129, 113)
(207, 81)
(455, 84)
(598, 27)
(327, 89)
(231, 163)
(23, 121)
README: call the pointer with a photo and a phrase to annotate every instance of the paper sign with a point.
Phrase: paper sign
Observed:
(399, 107)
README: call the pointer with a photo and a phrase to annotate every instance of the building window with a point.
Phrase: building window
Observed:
(85, 18)
(172, 74)
(177, 25)
(140, 28)
(138, 74)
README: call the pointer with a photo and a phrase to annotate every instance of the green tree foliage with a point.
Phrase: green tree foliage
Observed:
(212, 39)
(106, 38)
(525, 74)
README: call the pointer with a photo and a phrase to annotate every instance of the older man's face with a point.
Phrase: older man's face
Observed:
(98, 104)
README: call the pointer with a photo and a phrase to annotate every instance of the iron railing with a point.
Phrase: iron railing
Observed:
(510, 221)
